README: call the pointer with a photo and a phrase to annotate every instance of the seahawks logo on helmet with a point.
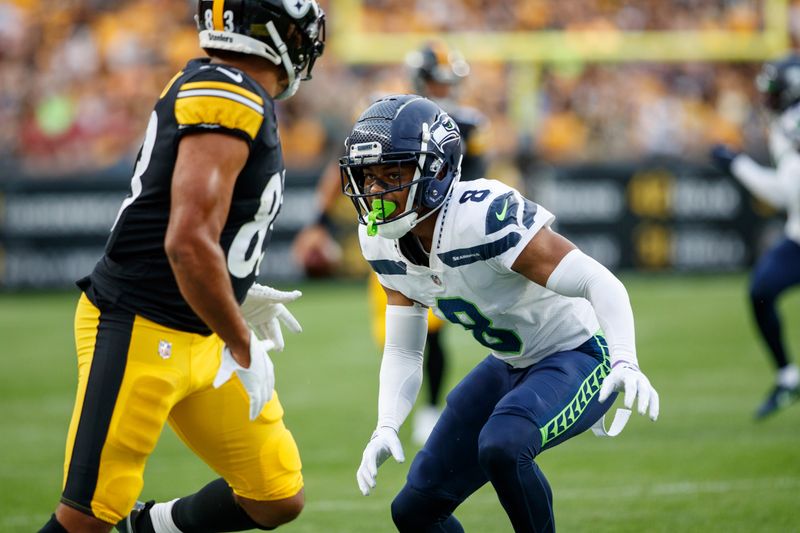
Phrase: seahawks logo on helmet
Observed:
(444, 131)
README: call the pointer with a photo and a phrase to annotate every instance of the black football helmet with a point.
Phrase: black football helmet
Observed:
(404, 130)
(287, 32)
(435, 61)
(779, 83)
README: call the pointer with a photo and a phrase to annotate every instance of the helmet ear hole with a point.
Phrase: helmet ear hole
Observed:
(443, 172)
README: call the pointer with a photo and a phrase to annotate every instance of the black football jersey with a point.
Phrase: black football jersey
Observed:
(474, 143)
(134, 272)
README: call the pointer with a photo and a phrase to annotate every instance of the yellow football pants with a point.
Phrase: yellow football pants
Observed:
(133, 376)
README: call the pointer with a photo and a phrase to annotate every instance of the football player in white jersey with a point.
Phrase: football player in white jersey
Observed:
(483, 256)
(779, 268)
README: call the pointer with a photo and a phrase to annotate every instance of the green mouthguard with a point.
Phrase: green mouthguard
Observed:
(380, 209)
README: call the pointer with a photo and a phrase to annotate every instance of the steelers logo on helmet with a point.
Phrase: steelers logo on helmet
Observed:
(297, 8)
(404, 130)
(290, 33)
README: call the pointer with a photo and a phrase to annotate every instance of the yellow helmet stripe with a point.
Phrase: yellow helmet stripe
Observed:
(224, 86)
(216, 14)
(441, 52)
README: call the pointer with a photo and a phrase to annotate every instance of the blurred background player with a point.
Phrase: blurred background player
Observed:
(436, 71)
(779, 268)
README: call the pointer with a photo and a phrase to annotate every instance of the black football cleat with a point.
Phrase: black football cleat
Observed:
(127, 524)
(780, 398)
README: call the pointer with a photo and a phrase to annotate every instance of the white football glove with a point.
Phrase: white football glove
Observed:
(258, 379)
(627, 376)
(264, 311)
(383, 443)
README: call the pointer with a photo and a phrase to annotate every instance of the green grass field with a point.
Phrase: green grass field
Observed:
(704, 466)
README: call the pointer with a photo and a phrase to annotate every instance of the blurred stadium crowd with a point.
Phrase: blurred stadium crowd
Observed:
(78, 79)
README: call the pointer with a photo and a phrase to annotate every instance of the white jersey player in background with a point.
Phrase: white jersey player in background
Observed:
(482, 256)
(779, 268)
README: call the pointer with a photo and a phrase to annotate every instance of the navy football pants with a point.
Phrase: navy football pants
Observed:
(775, 272)
(497, 420)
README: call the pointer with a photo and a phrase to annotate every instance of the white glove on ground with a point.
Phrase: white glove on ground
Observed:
(383, 443)
(258, 379)
(263, 310)
(627, 376)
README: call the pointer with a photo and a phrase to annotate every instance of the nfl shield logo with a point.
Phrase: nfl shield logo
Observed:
(164, 349)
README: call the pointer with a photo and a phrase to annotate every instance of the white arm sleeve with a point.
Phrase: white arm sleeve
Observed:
(579, 275)
(764, 182)
(401, 368)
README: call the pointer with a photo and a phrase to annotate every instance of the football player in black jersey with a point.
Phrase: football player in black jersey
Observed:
(171, 311)
(436, 72)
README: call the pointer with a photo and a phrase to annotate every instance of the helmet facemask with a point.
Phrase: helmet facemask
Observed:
(378, 139)
(375, 210)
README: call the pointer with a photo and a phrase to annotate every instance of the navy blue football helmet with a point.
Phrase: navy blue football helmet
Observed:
(779, 83)
(286, 32)
(403, 130)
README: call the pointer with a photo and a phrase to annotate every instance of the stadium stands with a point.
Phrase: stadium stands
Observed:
(77, 79)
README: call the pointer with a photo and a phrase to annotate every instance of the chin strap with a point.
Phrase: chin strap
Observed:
(283, 51)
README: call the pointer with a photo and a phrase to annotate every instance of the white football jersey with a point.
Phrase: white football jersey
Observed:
(784, 143)
(481, 229)
(779, 186)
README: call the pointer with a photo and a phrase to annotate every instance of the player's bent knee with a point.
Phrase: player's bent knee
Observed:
(271, 514)
(404, 510)
(762, 290)
(409, 510)
(504, 441)
(414, 511)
